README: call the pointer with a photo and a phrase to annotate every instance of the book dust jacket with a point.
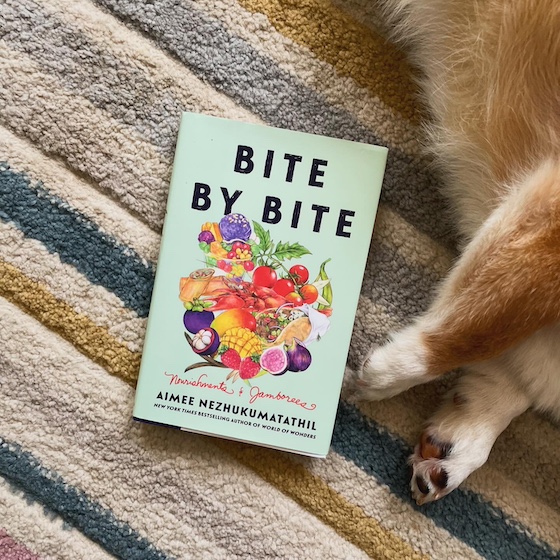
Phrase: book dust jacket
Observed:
(263, 253)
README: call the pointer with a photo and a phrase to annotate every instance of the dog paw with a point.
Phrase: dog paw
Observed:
(440, 465)
(430, 470)
(393, 368)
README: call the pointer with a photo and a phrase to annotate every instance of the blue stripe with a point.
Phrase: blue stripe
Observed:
(482, 526)
(77, 241)
(74, 506)
(380, 454)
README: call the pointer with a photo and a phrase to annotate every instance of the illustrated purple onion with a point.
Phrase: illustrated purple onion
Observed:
(299, 357)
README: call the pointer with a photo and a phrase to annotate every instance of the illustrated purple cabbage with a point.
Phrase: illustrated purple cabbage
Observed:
(235, 227)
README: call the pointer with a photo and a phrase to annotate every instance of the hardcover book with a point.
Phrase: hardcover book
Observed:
(262, 257)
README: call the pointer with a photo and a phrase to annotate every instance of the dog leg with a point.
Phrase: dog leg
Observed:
(460, 435)
(502, 289)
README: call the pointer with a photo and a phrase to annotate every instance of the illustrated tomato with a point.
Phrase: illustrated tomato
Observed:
(248, 266)
(309, 293)
(295, 299)
(264, 276)
(300, 273)
(284, 286)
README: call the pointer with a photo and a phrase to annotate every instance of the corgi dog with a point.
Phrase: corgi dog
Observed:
(491, 79)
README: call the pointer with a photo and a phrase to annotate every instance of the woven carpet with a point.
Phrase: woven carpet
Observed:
(90, 95)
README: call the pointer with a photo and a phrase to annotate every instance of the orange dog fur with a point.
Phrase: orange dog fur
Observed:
(492, 81)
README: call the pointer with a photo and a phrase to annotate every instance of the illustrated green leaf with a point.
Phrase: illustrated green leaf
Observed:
(264, 236)
(287, 251)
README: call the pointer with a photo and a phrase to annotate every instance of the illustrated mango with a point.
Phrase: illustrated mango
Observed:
(234, 318)
(245, 342)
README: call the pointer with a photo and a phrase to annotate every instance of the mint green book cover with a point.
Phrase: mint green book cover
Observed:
(263, 252)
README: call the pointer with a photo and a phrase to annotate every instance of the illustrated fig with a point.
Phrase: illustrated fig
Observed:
(275, 360)
(299, 357)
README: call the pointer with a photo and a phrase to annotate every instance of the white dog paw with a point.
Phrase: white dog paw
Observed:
(393, 368)
(440, 465)
(430, 474)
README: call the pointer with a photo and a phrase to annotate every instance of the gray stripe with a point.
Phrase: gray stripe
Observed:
(255, 81)
(115, 85)
(231, 65)
(400, 288)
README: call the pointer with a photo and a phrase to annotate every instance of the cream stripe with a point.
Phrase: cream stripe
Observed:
(184, 476)
(407, 523)
(164, 71)
(111, 218)
(42, 534)
(63, 281)
(90, 140)
(407, 413)
(320, 76)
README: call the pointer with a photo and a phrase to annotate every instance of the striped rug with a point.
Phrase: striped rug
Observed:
(90, 97)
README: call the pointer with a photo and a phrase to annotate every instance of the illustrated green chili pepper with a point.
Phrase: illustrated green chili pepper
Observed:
(327, 293)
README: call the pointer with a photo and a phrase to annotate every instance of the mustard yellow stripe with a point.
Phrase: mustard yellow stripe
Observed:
(308, 490)
(90, 339)
(293, 479)
(352, 48)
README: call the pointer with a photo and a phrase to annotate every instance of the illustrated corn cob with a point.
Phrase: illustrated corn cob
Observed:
(244, 341)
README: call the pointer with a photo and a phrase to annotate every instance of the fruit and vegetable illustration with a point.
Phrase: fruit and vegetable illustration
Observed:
(252, 307)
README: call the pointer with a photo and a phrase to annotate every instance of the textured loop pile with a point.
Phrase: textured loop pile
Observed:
(91, 93)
